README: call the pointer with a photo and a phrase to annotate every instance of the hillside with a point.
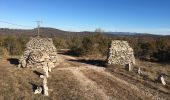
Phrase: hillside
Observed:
(50, 32)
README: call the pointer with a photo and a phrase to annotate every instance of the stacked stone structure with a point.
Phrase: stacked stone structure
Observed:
(37, 51)
(120, 53)
(40, 53)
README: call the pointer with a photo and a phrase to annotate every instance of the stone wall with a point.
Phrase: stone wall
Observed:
(120, 53)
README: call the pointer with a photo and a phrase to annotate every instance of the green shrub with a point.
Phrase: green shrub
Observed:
(93, 45)
(14, 45)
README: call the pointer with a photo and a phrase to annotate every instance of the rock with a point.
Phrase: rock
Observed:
(42, 76)
(22, 62)
(38, 90)
(45, 87)
(45, 69)
(120, 53)
(139, 71)
(161, 79)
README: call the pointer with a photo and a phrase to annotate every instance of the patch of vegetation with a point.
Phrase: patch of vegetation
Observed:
(13, 44)
(95, 44)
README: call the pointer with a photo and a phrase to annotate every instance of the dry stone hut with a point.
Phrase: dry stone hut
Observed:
(120, 53)
(37, 51)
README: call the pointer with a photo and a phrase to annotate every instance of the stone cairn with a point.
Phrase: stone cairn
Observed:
(40, 53)
(120, 53)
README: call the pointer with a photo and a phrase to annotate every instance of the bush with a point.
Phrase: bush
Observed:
(60, 43)
(145, 50)
(14, 45)
(91, 45)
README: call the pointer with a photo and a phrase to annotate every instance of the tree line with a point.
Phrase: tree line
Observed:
(150, 48)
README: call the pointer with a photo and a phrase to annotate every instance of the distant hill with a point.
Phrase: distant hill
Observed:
(50, 32)
(32, 32)
(126, 33)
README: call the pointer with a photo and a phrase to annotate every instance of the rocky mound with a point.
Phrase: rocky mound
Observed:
(120, 53)
(38, 51)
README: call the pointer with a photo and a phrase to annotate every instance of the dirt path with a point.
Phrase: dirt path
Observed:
(98, 84)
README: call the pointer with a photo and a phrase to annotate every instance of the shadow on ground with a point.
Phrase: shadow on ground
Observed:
(68, 52)
(99, 63)
(34, 86)
(13, 61)
(37, 73)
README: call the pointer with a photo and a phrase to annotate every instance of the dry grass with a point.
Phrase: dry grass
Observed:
(72, 80)
(115, 89)
(147, 81)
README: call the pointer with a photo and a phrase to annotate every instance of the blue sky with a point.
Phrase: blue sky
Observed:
(149, 16)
